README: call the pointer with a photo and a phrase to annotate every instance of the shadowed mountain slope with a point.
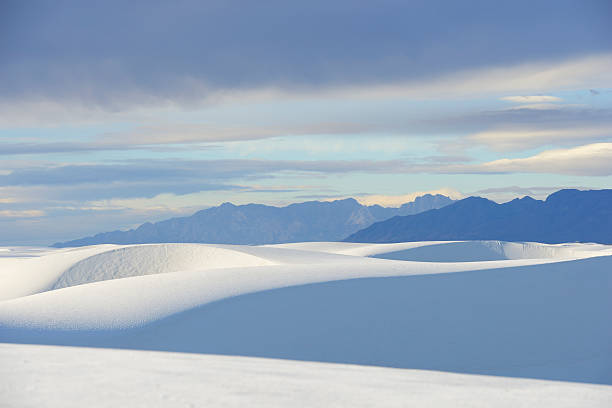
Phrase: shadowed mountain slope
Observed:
(565, 216)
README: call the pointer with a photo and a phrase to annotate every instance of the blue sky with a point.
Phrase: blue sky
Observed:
(112, 114)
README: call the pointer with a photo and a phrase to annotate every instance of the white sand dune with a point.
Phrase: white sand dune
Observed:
(455, 251)
(208, 273)
(153, 259)
(29, 271)
(25, 271)
(489, 308)
(47, 376)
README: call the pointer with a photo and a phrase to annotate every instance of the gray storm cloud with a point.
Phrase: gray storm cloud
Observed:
(108, 53)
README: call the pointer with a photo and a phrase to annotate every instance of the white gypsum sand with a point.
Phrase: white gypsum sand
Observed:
(524, 310)
(37, 376)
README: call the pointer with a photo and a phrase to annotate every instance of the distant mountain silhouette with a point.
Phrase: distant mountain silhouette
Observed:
(565, 216)
(261, 224)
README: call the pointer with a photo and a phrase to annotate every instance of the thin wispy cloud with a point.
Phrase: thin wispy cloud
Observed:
(520, 139)
(531, 98)
(204, 135)
(21, 213)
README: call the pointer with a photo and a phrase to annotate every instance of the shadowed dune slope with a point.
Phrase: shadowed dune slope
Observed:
(547, 321)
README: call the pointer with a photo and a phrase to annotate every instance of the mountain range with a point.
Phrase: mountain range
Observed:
(258, 224)
(565, 216)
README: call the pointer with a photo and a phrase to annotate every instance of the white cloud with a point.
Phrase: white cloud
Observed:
(542, 106)
(531, 98)
(518, 139)
(588, 160)
(195, 133)
(398, 200)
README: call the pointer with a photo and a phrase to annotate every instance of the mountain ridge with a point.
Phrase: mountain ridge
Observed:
(257, 224)
(568, 215)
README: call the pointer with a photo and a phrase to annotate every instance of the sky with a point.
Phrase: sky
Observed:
(114, 113)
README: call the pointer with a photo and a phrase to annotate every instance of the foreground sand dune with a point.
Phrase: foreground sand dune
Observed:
(83, 377)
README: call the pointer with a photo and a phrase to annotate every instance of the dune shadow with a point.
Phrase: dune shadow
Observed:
(549, 321)
(470, 251)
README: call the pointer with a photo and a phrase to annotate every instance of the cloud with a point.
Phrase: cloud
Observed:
(166, 185)
(21, 213)
(73, 195)
(179, 53)
(178, 202)
(531, 99)
(60, 147)
(501, 130)
(582, 72)
(196, 136)
(161, 202)
(205, 133)
(179, 174)
(573, 73)
(79, 174)
(137, 177)
(587, 160)
(543, 106)
(554, 117)
(519, 139)
(398, 200)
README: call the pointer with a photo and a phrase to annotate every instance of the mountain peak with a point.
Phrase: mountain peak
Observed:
(349, 201)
